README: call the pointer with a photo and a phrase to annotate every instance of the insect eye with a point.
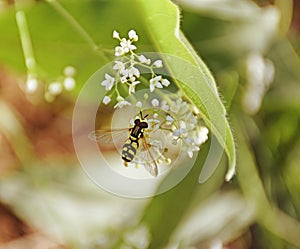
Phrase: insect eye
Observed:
(137, 121)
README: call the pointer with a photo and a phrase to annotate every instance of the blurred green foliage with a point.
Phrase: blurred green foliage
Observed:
(264, 197)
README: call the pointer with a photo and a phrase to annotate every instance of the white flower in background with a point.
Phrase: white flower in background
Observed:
(139, 104)
(201, 135)
(155, 83)
(139, 238)
(116, 34)
(106, 100)
(121, 102)
(55, 88)
(31, 84)
(108, 82)
(169, 120)
(69, 71)
(132, 35)
(155, 102)
(69, 83)
(131, 88)
(165, 82)
(158, 82)
(260, 74)
(119, 51)
(144, 60)
(158, 63)
(51, 89)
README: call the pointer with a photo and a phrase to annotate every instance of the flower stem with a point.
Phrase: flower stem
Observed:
(74, 23)
(30, 61)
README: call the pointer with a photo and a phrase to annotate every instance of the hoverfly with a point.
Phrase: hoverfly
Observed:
(131, 146)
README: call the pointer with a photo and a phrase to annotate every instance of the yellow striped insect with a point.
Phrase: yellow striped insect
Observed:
(131, 146)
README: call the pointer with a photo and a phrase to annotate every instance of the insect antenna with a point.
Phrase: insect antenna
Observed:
(141, 114)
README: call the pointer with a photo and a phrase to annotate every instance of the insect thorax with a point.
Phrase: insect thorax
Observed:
(138, 129)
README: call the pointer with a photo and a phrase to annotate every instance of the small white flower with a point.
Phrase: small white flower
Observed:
(132, 87)
(139, 104)
(155, 82)
(155, 102)
(139, 238)
(169, 119)
(132, 35)
(119, 66)
(179, 107)
(31, 84)
(127, 46)
(190, 150)
(116, 35)
(106, 100)
(133, 71)
(181, 131)
(123, 79)
(69, 71)
(144, 60)
(165, 82)
(121, 102)
(164, 105)
(119, 51)
(158, 63)
(69, 83)
(201, 135)
(108, 82)
(55, 88)
(191, 146)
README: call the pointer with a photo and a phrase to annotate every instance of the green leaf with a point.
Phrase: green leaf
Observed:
(161, 19)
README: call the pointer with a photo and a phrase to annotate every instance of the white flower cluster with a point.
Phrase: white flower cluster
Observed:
(138, 238)
(188, 130)
(127, 70)
(55, 88)
(180, 121)
(67, 83)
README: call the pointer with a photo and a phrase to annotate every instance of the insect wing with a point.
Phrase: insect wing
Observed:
(149, 161)
(109, 136)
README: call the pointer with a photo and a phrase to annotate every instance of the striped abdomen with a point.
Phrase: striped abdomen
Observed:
(129, 150)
